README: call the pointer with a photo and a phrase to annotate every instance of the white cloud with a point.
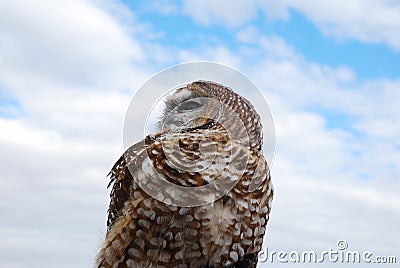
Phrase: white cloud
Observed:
(215, 54)
(232, 14)
(165, 6)
(74, 42)
(51, 195)
(248, 35)
(276, 47)
(73, 71)
(366, 21)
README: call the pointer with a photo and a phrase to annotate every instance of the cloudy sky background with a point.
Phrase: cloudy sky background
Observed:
(331, 74)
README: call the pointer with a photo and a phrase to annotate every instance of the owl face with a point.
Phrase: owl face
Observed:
(186, 109)
(204, 104)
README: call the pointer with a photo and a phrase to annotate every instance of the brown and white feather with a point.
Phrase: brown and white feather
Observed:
(145, 232)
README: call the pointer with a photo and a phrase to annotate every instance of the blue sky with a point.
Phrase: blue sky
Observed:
(371, 60)
(330, 75)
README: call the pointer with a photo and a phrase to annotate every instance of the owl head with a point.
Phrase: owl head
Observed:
(202, 104)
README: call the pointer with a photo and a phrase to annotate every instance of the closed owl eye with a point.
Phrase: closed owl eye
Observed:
(188, 106)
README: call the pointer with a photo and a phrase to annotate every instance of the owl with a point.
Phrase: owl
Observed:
(195, 194)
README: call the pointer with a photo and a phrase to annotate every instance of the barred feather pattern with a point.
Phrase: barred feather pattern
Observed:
(145, 232)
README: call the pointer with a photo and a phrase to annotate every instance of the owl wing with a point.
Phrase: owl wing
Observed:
(188, 159)
(148, 162)
(121, 180)
(261, 194)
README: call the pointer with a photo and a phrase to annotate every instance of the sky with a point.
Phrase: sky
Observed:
(330, 74)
